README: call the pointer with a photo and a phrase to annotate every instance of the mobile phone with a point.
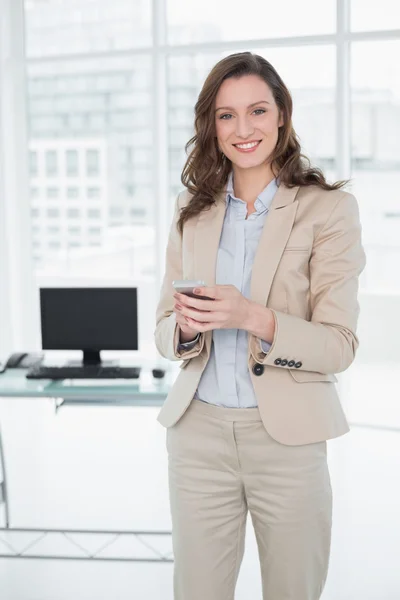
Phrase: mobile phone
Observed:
(186, 286)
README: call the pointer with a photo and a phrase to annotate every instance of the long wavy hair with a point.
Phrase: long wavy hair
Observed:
(207, 169)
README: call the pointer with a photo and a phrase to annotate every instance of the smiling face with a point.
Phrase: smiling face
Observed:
(247, 121)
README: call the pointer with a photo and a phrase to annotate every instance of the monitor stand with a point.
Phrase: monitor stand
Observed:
(92, 358)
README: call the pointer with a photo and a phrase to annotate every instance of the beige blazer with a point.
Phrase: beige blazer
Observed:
(306, 271)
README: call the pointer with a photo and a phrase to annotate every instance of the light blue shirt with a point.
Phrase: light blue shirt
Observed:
(226, 380)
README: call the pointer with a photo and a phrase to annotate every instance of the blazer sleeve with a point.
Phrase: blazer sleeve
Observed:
(328, 342)
(167, 331)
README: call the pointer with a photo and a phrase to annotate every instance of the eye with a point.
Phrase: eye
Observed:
(226, 116)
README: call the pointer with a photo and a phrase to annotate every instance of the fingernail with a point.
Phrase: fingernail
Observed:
(196, 290)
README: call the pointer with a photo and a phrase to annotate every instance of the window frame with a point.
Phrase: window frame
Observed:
(19, 314)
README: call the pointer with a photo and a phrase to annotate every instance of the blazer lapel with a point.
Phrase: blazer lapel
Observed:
(275, 234)
(206, 241)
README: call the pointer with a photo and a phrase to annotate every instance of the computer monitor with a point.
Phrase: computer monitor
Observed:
(89, 319)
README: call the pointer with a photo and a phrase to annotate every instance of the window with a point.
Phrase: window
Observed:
(52, 213)
(138, 212)
(225, 21)
(72, 192)
(116, 211)
(71, 158)
(52, 192)
(33, 163)
(93, 192)
(129, 155)
(92, 162)
(51, 162)
(93, 213)
(376, 158)
(93, 114)
(369, 16)
(52, 229)
(122, 26)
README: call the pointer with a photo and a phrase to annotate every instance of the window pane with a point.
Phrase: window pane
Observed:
(93, 192)
(372, 16)
(51, 162)
(314, 105)
(52, 192)
(71, 158)
(94, 213)
(375, 174)
(116, 211)
(87, 111)
(72, 192)
(93, 25)
(33, 163)
(92, 162)
(376, 158)
(188, 22)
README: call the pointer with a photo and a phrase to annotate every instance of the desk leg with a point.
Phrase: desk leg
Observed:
(3, 484)
(158, 556)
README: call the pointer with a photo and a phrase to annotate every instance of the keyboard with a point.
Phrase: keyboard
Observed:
(84, 372)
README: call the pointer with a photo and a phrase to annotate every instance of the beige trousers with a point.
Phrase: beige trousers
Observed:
(222, 463)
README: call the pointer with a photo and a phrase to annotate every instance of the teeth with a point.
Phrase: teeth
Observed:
(244, 146)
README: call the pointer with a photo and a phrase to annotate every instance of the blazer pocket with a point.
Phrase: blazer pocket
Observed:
(310, 376)
(297, 249)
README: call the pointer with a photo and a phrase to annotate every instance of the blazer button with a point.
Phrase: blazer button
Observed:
(258, 369)
(284, 363)
(298, 365)
(290, 363)
(277, 361)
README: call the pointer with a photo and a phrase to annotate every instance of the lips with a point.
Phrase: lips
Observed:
(247, 146)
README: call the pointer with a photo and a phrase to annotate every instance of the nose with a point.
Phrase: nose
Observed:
(244, 127)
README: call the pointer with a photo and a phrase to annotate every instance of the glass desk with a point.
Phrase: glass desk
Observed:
(145, 391)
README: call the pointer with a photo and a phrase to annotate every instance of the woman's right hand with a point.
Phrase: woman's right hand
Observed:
(187, 334)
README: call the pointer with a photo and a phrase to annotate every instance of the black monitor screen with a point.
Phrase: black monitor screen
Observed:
(94, 318)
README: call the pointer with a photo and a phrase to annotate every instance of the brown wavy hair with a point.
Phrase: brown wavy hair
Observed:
(207, 169)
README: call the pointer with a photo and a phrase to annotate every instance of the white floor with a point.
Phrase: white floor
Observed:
(106, 468)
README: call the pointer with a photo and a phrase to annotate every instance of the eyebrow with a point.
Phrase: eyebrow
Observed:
(250, 105)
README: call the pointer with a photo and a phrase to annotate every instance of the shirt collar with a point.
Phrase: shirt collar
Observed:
(265, 197)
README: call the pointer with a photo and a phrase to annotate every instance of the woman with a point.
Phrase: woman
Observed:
(247, 419)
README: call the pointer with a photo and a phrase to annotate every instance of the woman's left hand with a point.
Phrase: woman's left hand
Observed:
(229, 309)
